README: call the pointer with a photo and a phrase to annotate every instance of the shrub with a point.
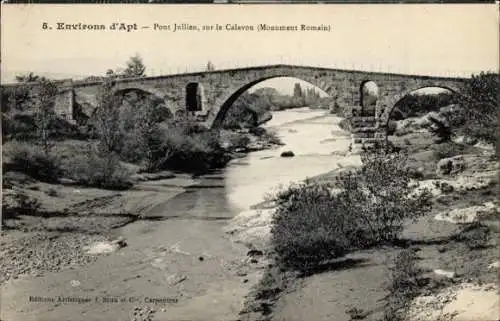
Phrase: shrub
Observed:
(345, 124)
(102, 172)
(403, 285)
(15, 98)
(440, 128)
(370, 205)
(17, 203)
(306, 229)
(447, 150)
(380, 198)
(272, 137)
(475, 235)
(391, 127)
(416, 105)
(33, 161)
(199, 152)
(106, 119)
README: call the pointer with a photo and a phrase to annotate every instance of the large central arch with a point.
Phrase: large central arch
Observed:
(229, 99)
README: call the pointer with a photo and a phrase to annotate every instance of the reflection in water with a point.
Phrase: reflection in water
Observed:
(311, 135)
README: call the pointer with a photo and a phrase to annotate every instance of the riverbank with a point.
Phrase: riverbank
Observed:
(47, 227)
(58, 221)
(175, 249)
(455, 245)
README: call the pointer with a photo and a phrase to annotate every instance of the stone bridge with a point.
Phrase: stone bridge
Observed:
(209, 95)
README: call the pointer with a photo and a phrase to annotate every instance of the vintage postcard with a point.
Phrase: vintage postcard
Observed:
(249, 162)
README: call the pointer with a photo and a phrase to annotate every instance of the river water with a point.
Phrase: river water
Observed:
(312, 135)
(188, 242)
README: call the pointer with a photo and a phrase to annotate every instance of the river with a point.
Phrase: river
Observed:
(184, 256)
(313, 137)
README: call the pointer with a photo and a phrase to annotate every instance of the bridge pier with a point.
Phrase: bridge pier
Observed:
(64, 105)
(367, 130)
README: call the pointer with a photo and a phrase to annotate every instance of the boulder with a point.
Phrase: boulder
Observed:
(450, 165)
(471, 141)
(287, 153)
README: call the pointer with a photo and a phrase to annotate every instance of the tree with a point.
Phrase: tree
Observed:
(297, 91)
(150, 136)
(135, 67)
(106, 119)
(45, 115)
(479, 110)
(15, 98)
(210, 66)
(298, 95)
(29, 77)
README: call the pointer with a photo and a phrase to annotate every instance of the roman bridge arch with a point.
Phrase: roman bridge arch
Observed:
(387, 105)
(371, 126)
(226, 100)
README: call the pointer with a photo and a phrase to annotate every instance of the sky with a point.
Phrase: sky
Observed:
(444, 40)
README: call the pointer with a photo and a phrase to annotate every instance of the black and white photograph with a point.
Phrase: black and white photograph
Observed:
(248, 162)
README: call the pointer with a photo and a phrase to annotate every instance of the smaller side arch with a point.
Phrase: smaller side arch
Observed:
(390, 102)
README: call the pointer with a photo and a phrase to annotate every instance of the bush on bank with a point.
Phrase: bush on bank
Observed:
(101, 171)
(362, 208)
(33, 161)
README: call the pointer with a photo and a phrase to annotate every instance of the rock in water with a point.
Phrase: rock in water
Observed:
(287, 153)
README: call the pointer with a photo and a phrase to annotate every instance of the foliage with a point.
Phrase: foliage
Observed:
(45, 114)
(475, 235)
(28, 112)
(17, 202)
(415, 105)
(33, 161)
(135, 67)
(479, 115)
(315, 222)
(193, 150)
(403, 285)
(248, 107)
(447, 149)
(391, 127)
(440, 128)
(106, 119)
(210, 66)
(29, 77)
(144, 141)
(92, 169)
(15, 98)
